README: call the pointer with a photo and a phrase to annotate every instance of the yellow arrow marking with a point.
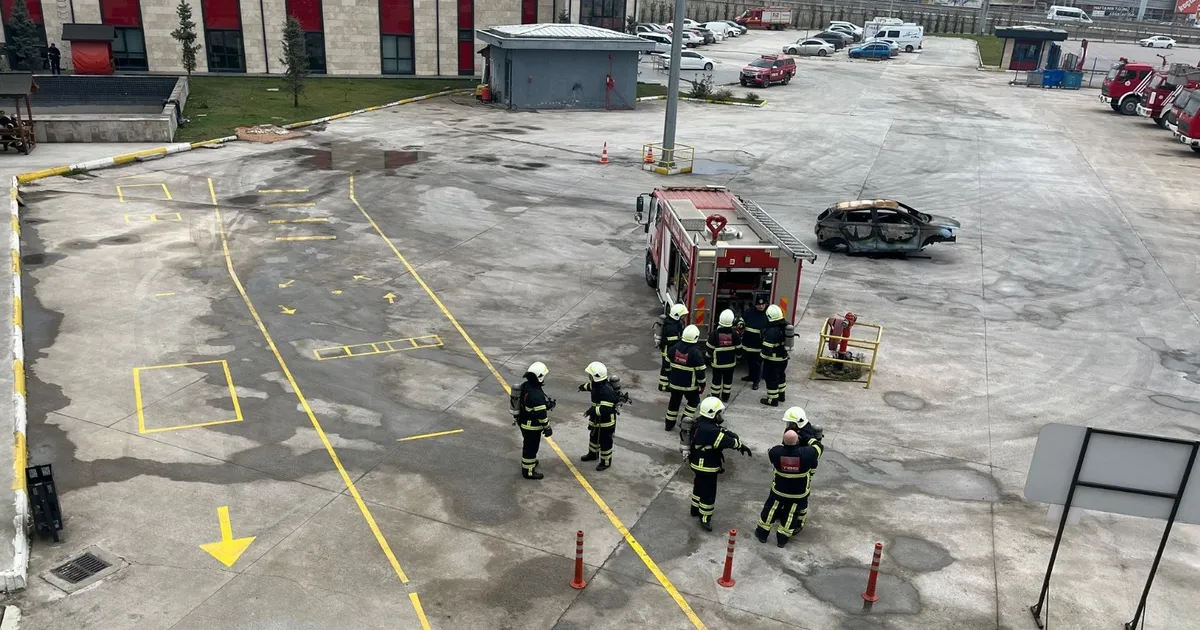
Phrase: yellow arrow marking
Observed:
(361, 278)
(286, 311)
(286, 284)
(229, 549)
(390, 297)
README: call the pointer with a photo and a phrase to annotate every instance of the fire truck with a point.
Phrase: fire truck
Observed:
(1160, 89)
(1120, 85)
(710, 250)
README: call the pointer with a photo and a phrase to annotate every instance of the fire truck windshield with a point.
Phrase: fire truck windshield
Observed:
(1112, 72)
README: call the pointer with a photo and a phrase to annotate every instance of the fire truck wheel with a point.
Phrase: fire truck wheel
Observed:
(651, 273)
(1129, 106)
(834, 245)
(1196, 149)
(1116, 107)
(1161, 122)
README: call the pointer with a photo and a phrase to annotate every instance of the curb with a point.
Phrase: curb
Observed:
(703, 100)
(12, 618)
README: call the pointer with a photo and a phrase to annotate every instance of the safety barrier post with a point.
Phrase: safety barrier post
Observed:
(578, 582)
(869, 595)
(726, 578)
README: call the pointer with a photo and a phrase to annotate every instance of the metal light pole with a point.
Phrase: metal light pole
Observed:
(668, 143)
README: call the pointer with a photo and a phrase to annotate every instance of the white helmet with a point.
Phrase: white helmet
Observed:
(678, 311)
(597, 371)
(797, 415)
(691, 334)
(774, 313)
(726, 318)
(539, 370)
(710, 407)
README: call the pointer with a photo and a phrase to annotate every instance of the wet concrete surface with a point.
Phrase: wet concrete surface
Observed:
(529, 243)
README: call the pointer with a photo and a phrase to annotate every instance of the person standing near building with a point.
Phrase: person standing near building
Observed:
(687, 375)
(752, 323)
(775, 357)
(706, 457)
(671, 329)
(533, 417)
(787, 505)
(724, 348)
(54, 56)
(602, 415)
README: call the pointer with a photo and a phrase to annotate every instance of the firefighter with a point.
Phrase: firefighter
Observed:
(775, 357)
(533, 418)
(797, 420)
(709, 440)
(752, 323)
(671, 329)
(787, 505)
(602, 415)
(724, 348)
(686, 376)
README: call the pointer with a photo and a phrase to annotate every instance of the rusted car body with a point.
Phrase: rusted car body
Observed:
(881, 226)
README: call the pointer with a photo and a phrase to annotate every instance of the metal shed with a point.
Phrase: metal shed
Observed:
(559, 66)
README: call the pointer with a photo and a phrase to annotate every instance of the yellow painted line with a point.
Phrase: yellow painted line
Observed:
(20, 461)
(141, 411)
(346, 351)
(121, 194)
(305, 238)
(186, 426)
(612, 517)
(175, 365)
(307, 204)
(312, 220)
(137, 399)
(237, 407)
(312, 417)
(19, 376)
(281, 191)
(164, 294)
(18, 314)
(416, 604)
(429, 435)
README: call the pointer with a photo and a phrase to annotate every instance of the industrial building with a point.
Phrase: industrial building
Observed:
(345, 37)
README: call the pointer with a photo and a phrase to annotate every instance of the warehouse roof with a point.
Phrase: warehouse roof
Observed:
(561, 37)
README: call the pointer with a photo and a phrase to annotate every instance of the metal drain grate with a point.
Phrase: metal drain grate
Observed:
(79, 569)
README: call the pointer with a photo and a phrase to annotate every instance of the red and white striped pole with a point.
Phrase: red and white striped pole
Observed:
(726, 578)
(578, 582)
(869, 595)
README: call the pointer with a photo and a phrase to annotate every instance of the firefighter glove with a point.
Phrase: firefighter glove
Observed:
(551, 404)
(745, 450)
(547, 431)
(583, 387)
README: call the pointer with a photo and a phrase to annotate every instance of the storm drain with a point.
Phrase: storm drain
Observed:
(80, 569)
(86, 568)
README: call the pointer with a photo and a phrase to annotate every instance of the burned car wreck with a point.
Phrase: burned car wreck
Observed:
(881, 226)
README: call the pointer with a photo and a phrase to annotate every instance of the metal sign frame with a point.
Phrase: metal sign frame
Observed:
(1175, 497)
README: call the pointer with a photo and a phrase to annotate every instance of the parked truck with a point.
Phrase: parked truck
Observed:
(771, 19)
(1159, 90)
(1187, 129)
(1120, 85)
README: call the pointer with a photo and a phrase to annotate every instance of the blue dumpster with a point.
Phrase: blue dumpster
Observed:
(1073, 81)
(1053, 78)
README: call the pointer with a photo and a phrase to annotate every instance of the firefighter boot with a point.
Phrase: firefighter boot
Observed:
(670, 425)
(590, 457)
(747, 378)
(705, 524)
(534, 475)
(725, 397)
(754, 385)
(761, 534)
(603, 466)
(769, 401)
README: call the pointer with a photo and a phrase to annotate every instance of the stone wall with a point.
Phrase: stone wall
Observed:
(351, 36)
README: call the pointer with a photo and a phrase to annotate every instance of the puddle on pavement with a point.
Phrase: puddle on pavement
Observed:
(712, 167)
(356, 157)
(936, 478)
(917, 554)
(842, 587)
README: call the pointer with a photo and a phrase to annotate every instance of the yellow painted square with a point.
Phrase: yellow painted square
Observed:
(121, 191)
(172, 388)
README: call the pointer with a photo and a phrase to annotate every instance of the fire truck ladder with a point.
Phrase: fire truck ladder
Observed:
(777, 233)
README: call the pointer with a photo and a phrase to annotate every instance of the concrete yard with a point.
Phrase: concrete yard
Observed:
(185, 355)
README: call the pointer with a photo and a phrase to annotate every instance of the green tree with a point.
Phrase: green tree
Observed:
(25, 37)
(186, 36)
(295, 59)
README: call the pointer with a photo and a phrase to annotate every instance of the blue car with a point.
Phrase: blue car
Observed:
(874, 50)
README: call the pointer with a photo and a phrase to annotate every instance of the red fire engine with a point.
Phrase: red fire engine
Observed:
(710, 250)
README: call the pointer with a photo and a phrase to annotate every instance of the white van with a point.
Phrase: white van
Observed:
(1067, 14)
(910, 37)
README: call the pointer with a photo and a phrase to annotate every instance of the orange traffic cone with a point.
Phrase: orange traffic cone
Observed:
(649, 155)
(604, 154)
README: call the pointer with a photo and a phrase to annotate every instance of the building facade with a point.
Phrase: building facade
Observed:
(344, 37)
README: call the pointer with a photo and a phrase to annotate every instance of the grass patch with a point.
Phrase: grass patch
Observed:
(990, 47)
(651, 89)
(218, 104)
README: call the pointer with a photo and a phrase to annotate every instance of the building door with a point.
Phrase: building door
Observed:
(608, 14)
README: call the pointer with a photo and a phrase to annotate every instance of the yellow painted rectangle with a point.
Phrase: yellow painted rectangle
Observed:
(305, 238)
(138, 403)
(373, 348)
(121, 193)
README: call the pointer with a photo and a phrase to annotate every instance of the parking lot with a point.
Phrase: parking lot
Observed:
(260, 327)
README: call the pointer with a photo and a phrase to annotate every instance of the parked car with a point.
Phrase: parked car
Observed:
(893, 44)
(742, 30)
(873, 50)
(767, 70)
(690, 23)
(721, 28)
(839, 40)
(688, 60)
(841, 28)
(1157, 41)
(708, 36)
(818, 47)
(649, 28)
(881, 225)
(853, 28)
(662, 43)
(690, 39)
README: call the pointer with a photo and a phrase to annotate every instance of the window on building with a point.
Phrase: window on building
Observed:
(223, 35)
(396, 37)
(129, 48)
(308, 13)
(529, 11)
(35, 14)
(603, 13)
(466, 37)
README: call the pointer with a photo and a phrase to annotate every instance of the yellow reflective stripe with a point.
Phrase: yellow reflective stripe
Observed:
(683, 367)
(605, 403)
(717, 442)
(705, 468)
(768, 344)
(537, 408)
(791, 475)
(820, 449)
(789, 496)
(753, 330)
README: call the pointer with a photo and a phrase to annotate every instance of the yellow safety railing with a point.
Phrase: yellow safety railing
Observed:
(829, 366)
(680, 159)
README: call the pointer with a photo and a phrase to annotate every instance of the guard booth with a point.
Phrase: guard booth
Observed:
(18, 132)
(91, 47)
(1027, 48)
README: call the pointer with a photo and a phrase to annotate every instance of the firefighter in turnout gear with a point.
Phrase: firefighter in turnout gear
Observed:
(533, 418)
(775, 357)
(709, 441)
(797, 420)
(687, 375)
(787, 505)
(752, 323)
(671, 329)
(602, 415)
(724, 348)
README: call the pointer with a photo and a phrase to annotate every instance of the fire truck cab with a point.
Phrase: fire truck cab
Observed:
(710, 250)
(1119, 89)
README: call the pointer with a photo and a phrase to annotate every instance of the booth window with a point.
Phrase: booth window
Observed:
(35, 15)
(608, 14)
(1026, 55)
(308, 14)
(396, 37)
(466, 37)
(223, 35)
(129, 47)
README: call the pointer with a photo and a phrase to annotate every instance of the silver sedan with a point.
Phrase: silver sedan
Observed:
(817, 47)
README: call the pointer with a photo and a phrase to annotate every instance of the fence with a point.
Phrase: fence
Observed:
(1093, 75)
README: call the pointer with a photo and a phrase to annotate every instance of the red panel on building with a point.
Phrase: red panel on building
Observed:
(466, 14)
(91, 57)
(308, 13)
(121, 12)
(225, 15)
(466, 56)
(1187, 6)
(529, 11)
(34, 6)
(396, 17)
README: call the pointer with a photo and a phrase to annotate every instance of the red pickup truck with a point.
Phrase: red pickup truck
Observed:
(769, 69)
